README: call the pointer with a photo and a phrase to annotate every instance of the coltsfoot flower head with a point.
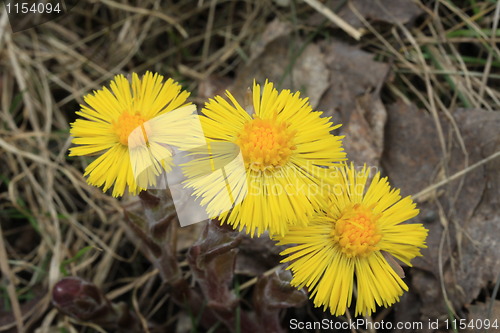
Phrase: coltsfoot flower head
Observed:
(128, 126)
(270, 155)
(355, 237)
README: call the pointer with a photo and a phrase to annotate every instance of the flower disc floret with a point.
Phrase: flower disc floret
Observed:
(266, 144)
(352, 242)
(125, 125)
(273, 177)
(356, 231)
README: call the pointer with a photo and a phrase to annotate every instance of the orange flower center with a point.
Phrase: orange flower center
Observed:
(265, 144)
(126, 124)
(356, 231)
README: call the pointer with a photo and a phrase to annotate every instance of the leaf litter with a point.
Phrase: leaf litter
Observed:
(401, 140)
(463, 254)
(343, 79)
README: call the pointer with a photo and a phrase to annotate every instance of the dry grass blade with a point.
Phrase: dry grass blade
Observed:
(493, 45)
(327, 12)
(148, 12)
(425, 192)
(10, 283)
(54, 224)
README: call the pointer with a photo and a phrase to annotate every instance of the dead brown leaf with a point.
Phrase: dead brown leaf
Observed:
(478, 313)
(285, 60)
(411, 158)
(364, 132)
(337, 78)
(389, 11)
(353, 100)
(257, 255)
(467, 256)
(480, 244)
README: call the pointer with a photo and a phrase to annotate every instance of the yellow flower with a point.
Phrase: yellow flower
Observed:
(129, 126)
(355, 235)
(264, 169)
